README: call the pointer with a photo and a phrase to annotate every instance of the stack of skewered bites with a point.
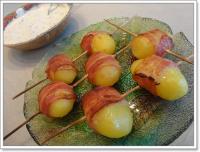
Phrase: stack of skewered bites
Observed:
(56, 99)
(151, 42)
(139, 77)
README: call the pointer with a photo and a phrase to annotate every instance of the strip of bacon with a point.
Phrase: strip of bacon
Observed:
(160, 40)
(147, 73)
(53, 92)
(87, 40)
(93, 58)
(98, 98)
(59, 62)
(98, 61)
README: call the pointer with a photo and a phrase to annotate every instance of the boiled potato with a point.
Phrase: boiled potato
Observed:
(60, 108)
(107, 76)
(114, 120)
(142, 47)
(134, 65)
(103, 42)
(66, 76)
(172, 84)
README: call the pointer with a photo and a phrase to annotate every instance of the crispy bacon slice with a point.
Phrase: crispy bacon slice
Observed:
(97, 61)
(52, 92)
(160, 40)
(149, 70)
(59, 62)
(98, 98)
(87, 40)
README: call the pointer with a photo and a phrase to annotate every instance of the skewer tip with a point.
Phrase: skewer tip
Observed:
(63, 129)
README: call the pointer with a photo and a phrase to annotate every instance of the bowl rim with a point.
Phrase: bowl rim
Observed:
(43, 33)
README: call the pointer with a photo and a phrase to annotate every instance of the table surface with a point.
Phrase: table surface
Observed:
(18, 65)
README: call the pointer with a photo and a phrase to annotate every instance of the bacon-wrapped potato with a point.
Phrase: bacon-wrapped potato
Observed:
(61, 68)
(151, 42)
(103, 69)
(160, 76)
(56, 99)
(107, 112)
(98, 41)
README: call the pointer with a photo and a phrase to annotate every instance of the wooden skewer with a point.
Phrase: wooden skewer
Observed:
(121, 28)
(29, 88)
(84, 117)
(85, 52)
(178, 56)
(188, 58)
(34, 115)
(131, 90)
(79, 81)
(21, 125)
(74, 85)
(134, 34)
(123, 24)
(121, 50)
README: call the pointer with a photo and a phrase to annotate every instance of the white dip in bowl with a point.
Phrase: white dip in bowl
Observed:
(30, 24)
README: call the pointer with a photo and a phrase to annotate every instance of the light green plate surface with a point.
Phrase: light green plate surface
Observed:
(156, 122)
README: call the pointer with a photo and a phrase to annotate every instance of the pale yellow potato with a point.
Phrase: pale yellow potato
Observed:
(142, 47)
(173, 84)
(107, 76)
(103, 42)
(135, 65)
(66, 76)
(114, 120)
(60, 108)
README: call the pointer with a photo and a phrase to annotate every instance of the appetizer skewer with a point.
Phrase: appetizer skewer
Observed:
(104, 106)
(59, 68)
(152, 42)
(55, 100)
(100, 101)
(161, 77)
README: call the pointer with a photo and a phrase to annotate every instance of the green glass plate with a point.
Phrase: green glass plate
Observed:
(156, 122)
